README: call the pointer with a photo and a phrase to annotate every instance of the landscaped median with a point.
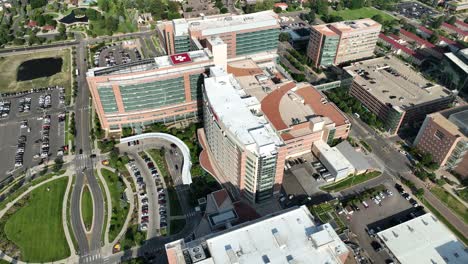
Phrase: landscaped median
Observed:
(119, 206)
(32, 229)
(350, 181)
(87, 208)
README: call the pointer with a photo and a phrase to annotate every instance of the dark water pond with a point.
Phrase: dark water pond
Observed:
(38, 68)
(71, 18)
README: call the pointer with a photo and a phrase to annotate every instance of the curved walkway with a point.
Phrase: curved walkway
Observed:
(72, 257)
(186, 175)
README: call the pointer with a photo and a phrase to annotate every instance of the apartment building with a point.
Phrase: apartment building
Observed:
(445, 136)
(289, 236)
(394, 92)
(243, 34)
(341, 42)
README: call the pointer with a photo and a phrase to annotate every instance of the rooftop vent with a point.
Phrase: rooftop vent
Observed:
(424, 222)
(395, 234)
(410, 228)
(233, 259)
(265, 259)
(197, 253)
(279, 239)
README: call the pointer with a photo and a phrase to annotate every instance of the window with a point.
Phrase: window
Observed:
(439, 135)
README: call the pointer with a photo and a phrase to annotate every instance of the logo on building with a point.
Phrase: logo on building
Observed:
(180, 58)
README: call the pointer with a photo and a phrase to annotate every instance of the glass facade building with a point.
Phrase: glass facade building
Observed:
(257, 41)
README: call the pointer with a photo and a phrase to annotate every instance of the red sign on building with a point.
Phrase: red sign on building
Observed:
(180, 58)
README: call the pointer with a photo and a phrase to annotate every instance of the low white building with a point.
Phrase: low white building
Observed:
(286, 237)
(335, 162)
(423, 239)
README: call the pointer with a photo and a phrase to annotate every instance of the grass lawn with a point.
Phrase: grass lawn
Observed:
(365, 12)
(10, 64)
(445, 221)
(119, 207)
(87, 208)
(176, 226)
(326, 212)
(451, 202)
(350, 181)
(37, 227)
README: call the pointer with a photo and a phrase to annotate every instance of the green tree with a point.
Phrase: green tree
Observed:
(224, 10)
(438, 22)
(320, 7)
(419, 192)
(277, 9)
(378, 18)
(37, 3)
(284, 37)
(356, 4)
(434, 37)
(452, 20)
(58, 163)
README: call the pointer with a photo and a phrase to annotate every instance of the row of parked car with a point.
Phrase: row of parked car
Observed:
(45, 101)
(160, 191)
(5, 108)
(142, 195)
(20, 151)
(405, 195)
(24, 105)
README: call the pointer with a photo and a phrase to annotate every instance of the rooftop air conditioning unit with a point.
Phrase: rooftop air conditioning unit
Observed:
(197, 253)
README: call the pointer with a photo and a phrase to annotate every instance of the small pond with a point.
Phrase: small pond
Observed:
(38, 68)
(71, 18)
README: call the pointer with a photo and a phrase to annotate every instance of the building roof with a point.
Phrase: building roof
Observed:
(357, 159)
(325, 30)
(355, 25)
(226, 99)
(423, 239)
(334, 157)
(220, 197)
(460, 22)
(461, 64)
(400, 47)
(456, 29)
(417, 39)
(425, 30)
(391, 81)
(285, 237)
(141, 69)
(218, 24)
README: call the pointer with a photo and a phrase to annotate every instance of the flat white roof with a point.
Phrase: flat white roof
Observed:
(457, 61)
(213, 25)
(224, 94)
(284, 238)
(333, 156)
(424, 239)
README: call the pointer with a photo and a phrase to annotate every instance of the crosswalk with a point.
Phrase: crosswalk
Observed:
(190, 214)
(82, 162)
(93, 257)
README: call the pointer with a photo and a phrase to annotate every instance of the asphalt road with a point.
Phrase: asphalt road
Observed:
(88, 244)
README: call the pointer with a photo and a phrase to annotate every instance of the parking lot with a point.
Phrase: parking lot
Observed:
(31, 130)
(372, 216)
(152, 210)
(115, 54)
(414, 10)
